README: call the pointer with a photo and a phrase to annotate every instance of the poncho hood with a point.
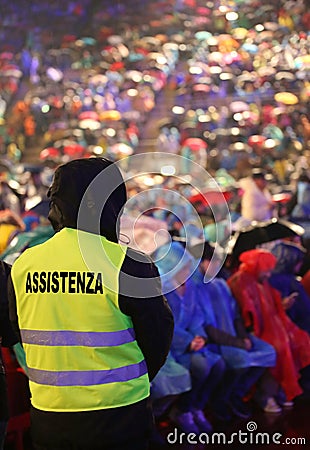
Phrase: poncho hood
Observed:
(257, 261)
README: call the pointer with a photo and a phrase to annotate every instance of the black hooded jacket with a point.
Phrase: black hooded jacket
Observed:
(89, 194)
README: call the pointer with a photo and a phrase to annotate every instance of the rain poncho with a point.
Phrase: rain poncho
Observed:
(188, 320)
(285, 280)
(188, 324)
(220, 311)
(172, 379)
(262, 310)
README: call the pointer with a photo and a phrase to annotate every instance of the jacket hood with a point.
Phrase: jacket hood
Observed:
(88, 194)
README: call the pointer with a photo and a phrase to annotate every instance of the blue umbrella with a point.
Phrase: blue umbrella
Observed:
(203, 35)
(89, 40)
(250, 48)
(133, 57)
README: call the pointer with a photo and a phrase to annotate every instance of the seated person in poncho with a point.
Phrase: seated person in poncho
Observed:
(246, 356)
(263, 313)
(189, 340)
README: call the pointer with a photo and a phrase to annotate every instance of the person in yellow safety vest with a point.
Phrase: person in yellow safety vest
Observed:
(94, 324)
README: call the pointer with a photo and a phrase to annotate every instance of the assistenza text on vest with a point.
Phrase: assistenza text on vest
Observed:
(66, 282)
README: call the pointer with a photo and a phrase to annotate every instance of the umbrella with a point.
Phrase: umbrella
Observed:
(250, 47)
(239, 33)
(74, 150)
(287, 98)
(285, 76)
(216, 57)
(133, 57)
(261, 232)
(256, 140)
(50, 153)
(54, 74)
(118, 65)
(195, 144)
(25, 240)
(111, 114)
(210, 197)
(93, 115)
(88, 40)
(134, 75)
(203, 35)
(115, 39)
(239, 106)
(266, 71)
(89, 124)
(121, 149)
(99, 78)
(302, 62)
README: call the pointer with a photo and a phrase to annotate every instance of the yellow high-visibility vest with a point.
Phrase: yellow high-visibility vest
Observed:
(81, 350)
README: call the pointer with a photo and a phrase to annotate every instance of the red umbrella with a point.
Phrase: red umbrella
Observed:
(208, 198)
(202, 10)
(195, 144)
(88, 115)
(74, 150)
(116, 66)
(256, 140)
(50, 153)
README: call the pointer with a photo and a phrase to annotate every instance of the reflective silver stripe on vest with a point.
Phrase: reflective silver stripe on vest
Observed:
(78, 338)
(87, 377)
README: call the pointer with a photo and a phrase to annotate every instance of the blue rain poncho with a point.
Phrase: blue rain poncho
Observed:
(188, 323)
(172, 379)
(188, 320)
(219, 309)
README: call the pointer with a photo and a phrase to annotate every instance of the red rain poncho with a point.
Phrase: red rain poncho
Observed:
(262, 309)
